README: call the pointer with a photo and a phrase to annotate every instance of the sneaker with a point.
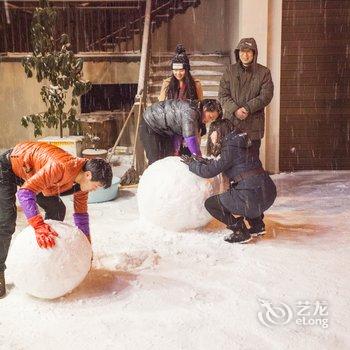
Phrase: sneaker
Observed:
(240, 233)
(2, 285)
(257, 231)
(238, 237)
(257, 226)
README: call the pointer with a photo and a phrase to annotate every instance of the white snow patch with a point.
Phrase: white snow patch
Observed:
(156, 289)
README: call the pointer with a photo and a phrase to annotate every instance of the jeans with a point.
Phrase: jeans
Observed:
(53, 206)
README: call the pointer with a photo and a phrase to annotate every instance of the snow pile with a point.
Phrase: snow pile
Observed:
(157, 289)
(171, 197)
(50, 273)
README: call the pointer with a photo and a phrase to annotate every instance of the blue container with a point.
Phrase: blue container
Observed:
(105, 194)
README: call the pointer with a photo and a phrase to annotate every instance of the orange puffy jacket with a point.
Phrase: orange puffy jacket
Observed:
(48, 169)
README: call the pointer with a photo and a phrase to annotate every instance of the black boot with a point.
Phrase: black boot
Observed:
(257, 226)
(240, 233)
(2, 284)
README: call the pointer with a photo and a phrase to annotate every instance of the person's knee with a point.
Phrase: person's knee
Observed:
(8, 221)
(211, 203)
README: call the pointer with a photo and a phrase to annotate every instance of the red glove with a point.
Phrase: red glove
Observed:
(43, 232)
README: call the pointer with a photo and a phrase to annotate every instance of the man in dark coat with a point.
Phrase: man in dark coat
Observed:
(165, 124)
(246, 88)
(251, 192)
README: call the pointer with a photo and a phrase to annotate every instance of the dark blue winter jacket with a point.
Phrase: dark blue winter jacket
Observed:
(249, 197)
(236, 158)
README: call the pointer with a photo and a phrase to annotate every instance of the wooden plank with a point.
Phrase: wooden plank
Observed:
(316, 29)
(324, 35)
(321, 57)
(313, 51)
(297, 21)
(301, 130)
(316, 66)
(315, 13)
(302, 111)
(319, 104)
(290, 5)
(311, 164)
(315, 96)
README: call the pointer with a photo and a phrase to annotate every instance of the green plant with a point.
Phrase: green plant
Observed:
(59, 69)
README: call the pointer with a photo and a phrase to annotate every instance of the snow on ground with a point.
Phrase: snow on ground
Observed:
(155, 289)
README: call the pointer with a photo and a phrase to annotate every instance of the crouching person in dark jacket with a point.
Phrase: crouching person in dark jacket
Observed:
(251, 192)
(165, 124)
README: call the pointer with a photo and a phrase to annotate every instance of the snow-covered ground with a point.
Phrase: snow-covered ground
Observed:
(153, 289)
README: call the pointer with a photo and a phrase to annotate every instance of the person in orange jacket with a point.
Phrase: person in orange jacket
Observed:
(44, 173)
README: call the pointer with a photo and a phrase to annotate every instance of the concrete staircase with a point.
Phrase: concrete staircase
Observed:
(208, 68)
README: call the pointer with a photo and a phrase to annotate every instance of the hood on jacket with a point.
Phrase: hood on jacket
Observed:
(247, 43)
(237, 139)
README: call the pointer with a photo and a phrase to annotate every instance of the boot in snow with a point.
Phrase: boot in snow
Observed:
(240, 233)
(257, 226)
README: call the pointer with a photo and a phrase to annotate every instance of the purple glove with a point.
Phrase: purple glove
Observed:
(193, 146)
(27, 200)
(81, 220)
(177, 141)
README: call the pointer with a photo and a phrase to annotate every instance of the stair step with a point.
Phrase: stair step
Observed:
(159, 78)
(192, 63)
(193, 68)
(210, 94)
(156, 88)
(192, 55)
(206, 94)
(211, 83)
(218, 59)
(194, 73)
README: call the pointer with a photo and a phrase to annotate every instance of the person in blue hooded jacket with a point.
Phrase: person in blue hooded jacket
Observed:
(251, 191)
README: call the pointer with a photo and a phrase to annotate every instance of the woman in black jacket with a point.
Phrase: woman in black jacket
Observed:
(251, 192)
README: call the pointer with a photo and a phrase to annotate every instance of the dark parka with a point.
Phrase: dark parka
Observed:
(249, 87)
(251, 196)
(173, 117)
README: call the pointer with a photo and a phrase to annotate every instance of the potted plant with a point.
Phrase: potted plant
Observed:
(55, 65)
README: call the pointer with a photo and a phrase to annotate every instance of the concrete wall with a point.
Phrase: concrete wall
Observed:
(200, 29)
(20, 96)
(111, 72)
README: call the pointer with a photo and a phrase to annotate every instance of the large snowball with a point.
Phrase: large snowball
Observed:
(172, 197)
(50, 273)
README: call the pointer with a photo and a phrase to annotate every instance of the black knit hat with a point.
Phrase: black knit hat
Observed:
(180, 59)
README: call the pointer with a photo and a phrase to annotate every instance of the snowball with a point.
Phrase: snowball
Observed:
(50, 273)
(172, 197)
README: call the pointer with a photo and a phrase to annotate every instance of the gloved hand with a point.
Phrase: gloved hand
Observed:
(201, 159)
(186, 159)
(81, 220)
(193, 145)
(177, 142)
(43, 232)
